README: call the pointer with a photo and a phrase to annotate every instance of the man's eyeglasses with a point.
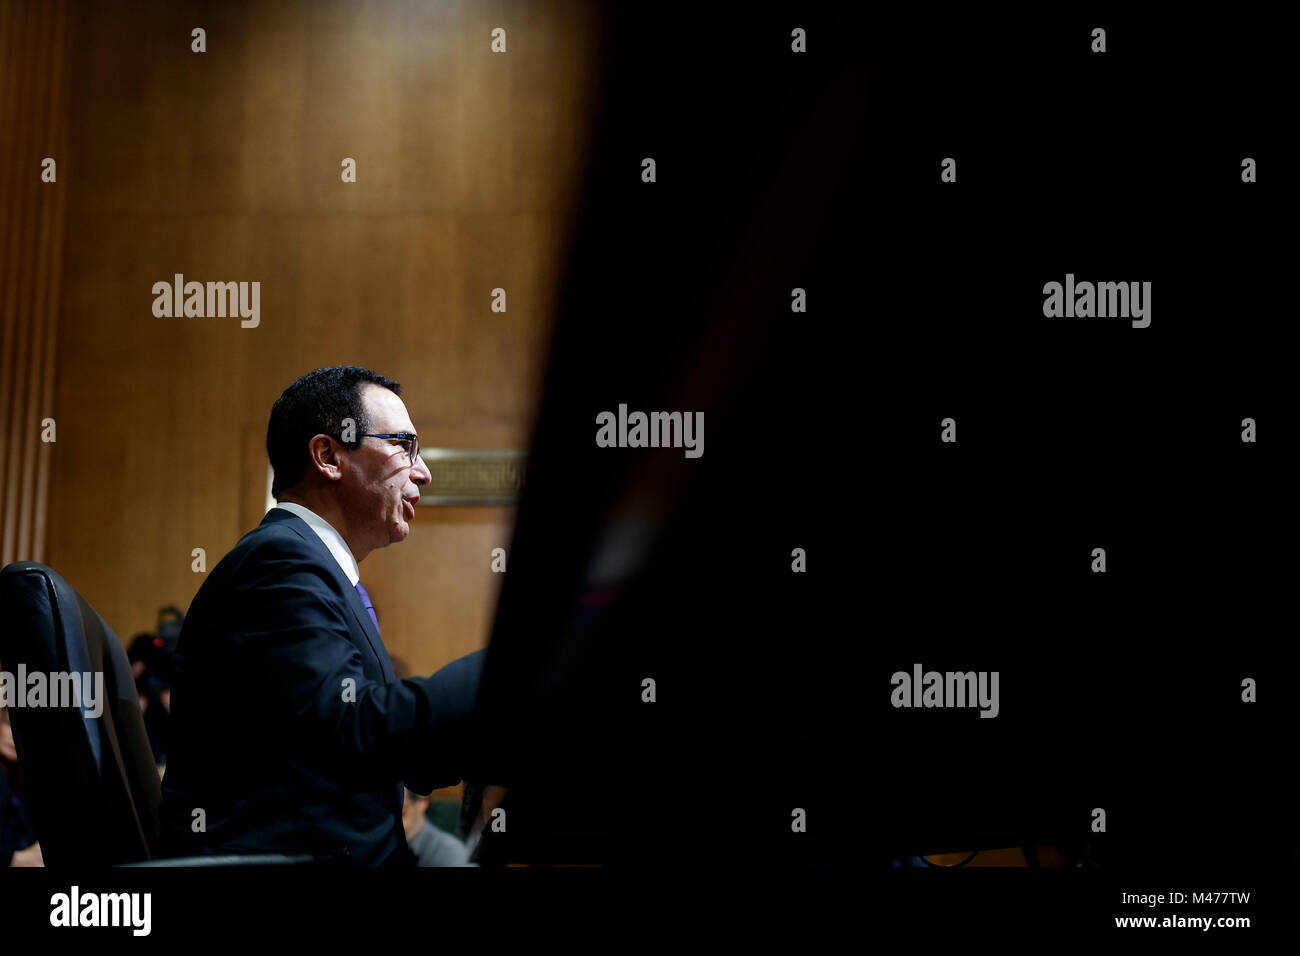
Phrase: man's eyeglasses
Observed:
(411, 442)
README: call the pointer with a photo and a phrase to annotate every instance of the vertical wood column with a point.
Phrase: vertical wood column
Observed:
(33, 114)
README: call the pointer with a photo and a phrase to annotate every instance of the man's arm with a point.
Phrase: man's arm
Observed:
(290, 626)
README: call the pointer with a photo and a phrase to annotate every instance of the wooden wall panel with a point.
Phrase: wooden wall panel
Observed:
(225, 166)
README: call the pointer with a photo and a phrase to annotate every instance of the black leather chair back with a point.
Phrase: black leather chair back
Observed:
(91, 778)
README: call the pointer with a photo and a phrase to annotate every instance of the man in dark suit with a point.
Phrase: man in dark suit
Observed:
(290, 732)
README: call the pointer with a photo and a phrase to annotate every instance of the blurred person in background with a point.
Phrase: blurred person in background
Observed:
(431, 846)
(18, 845)
(151, 663)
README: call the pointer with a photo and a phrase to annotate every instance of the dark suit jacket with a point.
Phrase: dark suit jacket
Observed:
(266, 739)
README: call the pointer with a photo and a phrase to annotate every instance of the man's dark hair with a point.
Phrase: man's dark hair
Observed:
(316, 404)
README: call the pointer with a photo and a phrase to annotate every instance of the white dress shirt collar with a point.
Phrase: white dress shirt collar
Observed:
(333, 540)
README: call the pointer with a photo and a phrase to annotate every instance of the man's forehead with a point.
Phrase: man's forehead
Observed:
(387, 411)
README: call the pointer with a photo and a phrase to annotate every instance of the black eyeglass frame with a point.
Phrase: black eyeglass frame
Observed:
(411, 437)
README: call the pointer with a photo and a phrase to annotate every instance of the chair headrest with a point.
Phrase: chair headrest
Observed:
(46, 632)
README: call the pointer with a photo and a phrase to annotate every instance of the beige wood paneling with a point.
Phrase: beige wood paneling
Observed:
(225, 166)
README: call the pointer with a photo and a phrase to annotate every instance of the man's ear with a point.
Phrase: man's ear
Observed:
(324, 454)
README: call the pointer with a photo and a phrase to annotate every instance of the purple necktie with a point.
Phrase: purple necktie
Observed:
(370, 605)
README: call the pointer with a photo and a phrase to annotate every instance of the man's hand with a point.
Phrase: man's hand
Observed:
(28, 857)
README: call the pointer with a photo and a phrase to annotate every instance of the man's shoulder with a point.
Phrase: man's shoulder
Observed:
(274, 542)
(279, 530)
(274, 571)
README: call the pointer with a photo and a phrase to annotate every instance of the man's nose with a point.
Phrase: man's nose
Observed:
(420, 472)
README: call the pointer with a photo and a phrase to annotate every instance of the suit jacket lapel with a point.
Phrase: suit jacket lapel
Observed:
(368, 628)
(305, 532)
